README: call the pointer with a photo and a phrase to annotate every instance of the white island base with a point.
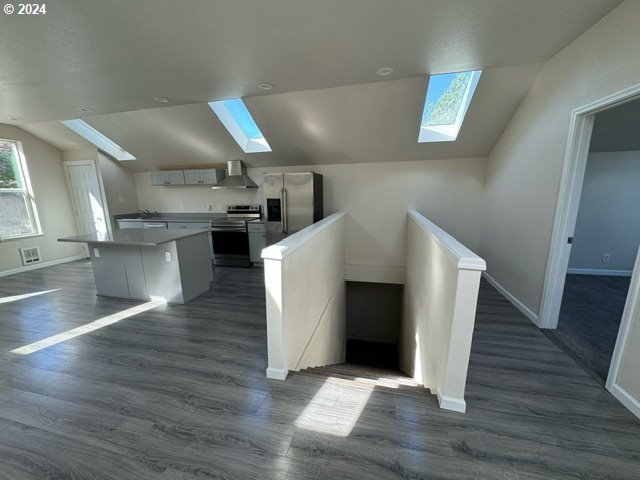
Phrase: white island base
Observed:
(149, 264)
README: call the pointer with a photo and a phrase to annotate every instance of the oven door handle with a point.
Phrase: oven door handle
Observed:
(228, 229)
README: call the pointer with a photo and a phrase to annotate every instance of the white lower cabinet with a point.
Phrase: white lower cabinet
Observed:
(194, 226)
(257, 240)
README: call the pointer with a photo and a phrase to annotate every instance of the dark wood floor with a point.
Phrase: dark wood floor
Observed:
(179, 392)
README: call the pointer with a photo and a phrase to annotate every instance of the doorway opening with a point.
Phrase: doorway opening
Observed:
(605, 242)
(560, 278)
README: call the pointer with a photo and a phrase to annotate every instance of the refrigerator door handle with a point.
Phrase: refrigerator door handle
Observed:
(283, 201)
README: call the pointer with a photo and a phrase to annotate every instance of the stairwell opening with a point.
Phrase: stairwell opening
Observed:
(373, 315)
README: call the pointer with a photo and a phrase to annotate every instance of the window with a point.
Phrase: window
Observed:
(448, 97)
(236, 118)
(18, 216)
(104, 143)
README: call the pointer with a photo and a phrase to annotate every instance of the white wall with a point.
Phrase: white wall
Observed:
(375, 195)
(626, 384)
(524, 168)
(305, 297)
(439, 307)
(44, 163)
(609, 215)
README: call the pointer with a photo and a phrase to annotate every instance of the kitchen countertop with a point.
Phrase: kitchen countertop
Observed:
(172, 217)
(134, 236)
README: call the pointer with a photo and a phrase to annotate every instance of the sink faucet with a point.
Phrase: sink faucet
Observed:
(145, 213)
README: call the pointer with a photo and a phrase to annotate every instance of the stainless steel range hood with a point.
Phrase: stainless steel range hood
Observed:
(236, 177)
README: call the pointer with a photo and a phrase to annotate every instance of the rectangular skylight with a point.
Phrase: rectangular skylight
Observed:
(236, 118)
(105, 144)
(446, 104)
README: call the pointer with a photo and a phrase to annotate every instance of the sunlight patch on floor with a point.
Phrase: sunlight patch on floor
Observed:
(87, 328)
(335, 408)
(15, 298)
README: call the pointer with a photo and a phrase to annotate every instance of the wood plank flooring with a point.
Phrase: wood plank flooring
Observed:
(178, 392)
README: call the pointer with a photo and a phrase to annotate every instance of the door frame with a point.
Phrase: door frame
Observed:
(573, 170)
(90, 161)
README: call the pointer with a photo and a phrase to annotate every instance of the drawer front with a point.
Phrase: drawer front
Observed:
(256, 227)
(190, 225)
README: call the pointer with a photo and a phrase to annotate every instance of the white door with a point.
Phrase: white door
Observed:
(87, 198)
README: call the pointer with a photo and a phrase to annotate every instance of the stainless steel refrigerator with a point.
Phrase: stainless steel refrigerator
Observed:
(292, 201)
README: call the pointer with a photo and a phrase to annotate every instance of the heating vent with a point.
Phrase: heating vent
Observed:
(30, 255)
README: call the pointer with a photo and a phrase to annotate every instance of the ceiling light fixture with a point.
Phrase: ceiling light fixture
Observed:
(384, 71)
(265, 86)
(85, 109)
(161, 99)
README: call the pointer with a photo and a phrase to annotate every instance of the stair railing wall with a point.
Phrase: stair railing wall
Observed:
(439, 305)
(305, 296)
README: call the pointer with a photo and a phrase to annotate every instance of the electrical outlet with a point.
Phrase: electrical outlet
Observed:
(167, 256)
(219, 207)
(68, 247)
(606, 258)
(120, 199)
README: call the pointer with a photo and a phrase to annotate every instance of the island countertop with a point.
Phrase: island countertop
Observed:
(134, 236)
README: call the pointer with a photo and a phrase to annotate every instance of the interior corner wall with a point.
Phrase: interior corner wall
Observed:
(44, 163)
(525, 166)
(376, 197)
(119, 187)
(609, 214)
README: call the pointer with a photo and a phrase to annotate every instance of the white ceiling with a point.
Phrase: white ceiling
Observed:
(115, 56)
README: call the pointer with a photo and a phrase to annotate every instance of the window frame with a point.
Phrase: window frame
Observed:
(449, 132)
(27, 190)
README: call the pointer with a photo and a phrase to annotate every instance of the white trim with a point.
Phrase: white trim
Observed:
(277, 373)
(626, 399)
(633, 298)
(374, 273)
(36, 266)
(597, 271)
(451, 403)
(463, 258)
(573, 168)
(509, 296)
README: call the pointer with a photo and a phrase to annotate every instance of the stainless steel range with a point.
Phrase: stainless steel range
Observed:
(230, 237)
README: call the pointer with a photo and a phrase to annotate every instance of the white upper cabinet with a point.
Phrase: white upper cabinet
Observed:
(168, 177)
(207, 176)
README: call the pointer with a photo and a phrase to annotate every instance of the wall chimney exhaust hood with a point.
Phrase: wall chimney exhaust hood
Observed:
(236, 177)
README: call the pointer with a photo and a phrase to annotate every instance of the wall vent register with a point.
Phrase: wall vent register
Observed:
(30, 255)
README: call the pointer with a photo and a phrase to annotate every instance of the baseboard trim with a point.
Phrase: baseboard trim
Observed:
(277, 373)
(50, 263)
(374, 273)
(451, 403)
(596, 271)
(514, 301)
(626, 399)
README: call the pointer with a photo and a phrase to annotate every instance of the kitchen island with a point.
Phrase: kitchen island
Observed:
(173, 265)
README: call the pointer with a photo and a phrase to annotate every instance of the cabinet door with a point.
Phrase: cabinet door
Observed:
(257, 242)
(175, 177)
(158, 178)
(211, 176)
(193, 177)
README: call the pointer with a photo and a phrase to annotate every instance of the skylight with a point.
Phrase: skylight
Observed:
(448, 97)
(236, 118)
(105, 144)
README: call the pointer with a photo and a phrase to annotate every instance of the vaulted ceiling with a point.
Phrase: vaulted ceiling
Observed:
(328, 105)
